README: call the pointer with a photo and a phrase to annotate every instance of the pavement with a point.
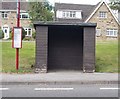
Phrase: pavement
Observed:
(60, 78)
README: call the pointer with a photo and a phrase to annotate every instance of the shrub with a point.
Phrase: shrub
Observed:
(34, 35)
(1, 34)
(28, 39)
(10, 35)
(23, 33)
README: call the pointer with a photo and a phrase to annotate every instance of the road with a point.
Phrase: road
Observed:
(107, 90)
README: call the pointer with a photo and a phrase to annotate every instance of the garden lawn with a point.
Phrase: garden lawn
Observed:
(27, 57)
(106, 57)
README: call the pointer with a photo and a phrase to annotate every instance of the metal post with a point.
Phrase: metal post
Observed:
(18, 25)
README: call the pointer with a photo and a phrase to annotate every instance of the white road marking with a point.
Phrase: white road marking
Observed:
(109, 88)
(4, 89)
(38, 89)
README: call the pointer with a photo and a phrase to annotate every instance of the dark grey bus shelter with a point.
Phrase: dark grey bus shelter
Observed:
(65, 46)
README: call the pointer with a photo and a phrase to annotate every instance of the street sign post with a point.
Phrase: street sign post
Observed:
(18, 25)
(17, 36)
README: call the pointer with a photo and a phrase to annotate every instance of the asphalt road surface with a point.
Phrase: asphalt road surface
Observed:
(106, 90)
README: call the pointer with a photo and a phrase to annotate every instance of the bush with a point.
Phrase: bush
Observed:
(23, 33)
(34, 35)
(10, 35)
(28, 39)
(1, 34)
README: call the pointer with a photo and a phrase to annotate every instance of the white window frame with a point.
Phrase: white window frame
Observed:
(102, 14)
(21, 16)
(28, 30)
(69, 14)
(4, 15)
(98, 32)
(112, 32)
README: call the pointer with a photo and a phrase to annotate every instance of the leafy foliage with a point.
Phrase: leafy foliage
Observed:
(115, 4)
(23, 33)
(34, 35)
(1, 34)
(39, 11)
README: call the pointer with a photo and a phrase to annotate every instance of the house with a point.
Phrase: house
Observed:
(8, 18)
(107, 23)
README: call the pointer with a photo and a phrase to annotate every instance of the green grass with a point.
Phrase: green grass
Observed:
(106, 57)
(27, 57)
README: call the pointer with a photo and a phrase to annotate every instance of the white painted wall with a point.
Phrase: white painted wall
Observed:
(59, 14)
(78, 15)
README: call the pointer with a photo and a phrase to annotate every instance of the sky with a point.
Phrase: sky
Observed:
(92, 2)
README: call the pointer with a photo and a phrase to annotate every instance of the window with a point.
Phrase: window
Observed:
(102, 14)
(4, 14)
(112, 32)
(98, 32)
(24, 16)
(69, 14)
(29, 31)
(72, 14)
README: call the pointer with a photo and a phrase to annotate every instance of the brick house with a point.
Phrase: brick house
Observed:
(8, 18)
(107, 23)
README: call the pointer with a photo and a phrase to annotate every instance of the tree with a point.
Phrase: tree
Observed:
(115, 4)
(40, 11)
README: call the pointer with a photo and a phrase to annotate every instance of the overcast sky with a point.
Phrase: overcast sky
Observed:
(77, 1)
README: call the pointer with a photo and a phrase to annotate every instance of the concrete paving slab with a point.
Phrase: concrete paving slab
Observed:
(60, 78)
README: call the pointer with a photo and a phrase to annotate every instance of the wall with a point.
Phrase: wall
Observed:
(103, 24)
(11, 20)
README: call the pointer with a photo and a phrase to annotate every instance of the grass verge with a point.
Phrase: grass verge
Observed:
(26, 58)
(106, 57)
